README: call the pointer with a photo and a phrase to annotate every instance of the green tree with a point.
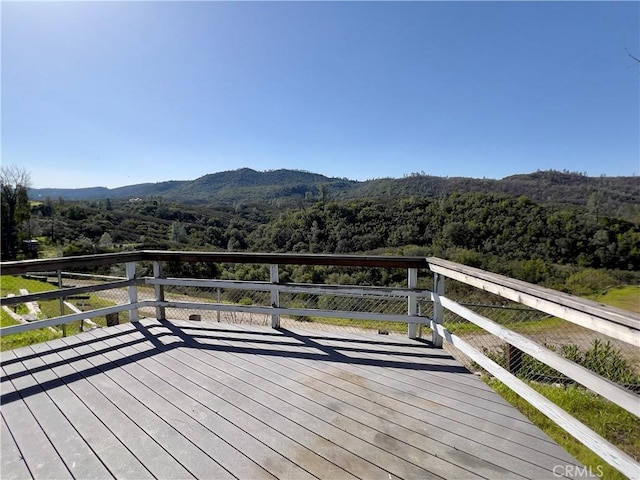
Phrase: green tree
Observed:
(105, 241)
(177, 233)
(14, 182)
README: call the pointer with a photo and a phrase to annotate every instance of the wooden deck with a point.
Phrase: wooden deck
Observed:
(190, 399)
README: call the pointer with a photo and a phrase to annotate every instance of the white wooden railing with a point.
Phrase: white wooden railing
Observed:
(616, 324)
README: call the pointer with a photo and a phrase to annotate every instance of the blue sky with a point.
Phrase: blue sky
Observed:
(118, 93)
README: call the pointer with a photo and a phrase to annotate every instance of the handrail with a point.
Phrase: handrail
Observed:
(582, 375)
(21, 267)
(288, 259)
(610, 321)
(67, 292)
(614, 322)
(606, 450)
(42, 265)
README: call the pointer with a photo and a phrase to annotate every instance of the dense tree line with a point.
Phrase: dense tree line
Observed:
(501, 233)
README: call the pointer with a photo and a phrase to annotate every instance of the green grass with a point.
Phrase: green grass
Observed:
(49, 308)
(25, 338)
(464, 327)
(9, 284)
(607, 419)
(627, 297)
(348, 322)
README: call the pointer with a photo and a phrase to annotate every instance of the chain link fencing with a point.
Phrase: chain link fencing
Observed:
(339, 302)
(615, 360)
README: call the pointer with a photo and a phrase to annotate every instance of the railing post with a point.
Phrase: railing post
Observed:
(219, 301)
(438, 310)
(275, 295)
(159, 291)
(413, 330)
(112, 319)
(64, 325)
(133, 291)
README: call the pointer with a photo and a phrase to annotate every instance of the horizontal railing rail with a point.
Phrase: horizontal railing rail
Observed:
(613, 323)
(84, 261)
(46, 267)
(69, 292)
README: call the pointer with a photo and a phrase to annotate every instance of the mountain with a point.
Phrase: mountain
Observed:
(228, 187)
(613, 195)
(98, 193)
(542, 186)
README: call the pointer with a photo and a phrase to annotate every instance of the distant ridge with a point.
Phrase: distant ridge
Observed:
(229, 186)
(250, 186)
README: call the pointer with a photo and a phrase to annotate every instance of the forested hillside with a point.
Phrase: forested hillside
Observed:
(536, 242)
(613, 196)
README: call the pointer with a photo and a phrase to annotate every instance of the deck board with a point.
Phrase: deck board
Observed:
(74, 451)
(13, 465)
(487, 455)
(341, 439)
(235, 425)
(466, 407)
(198, 423)
(196, 400)
(38, 453)
(331, 415)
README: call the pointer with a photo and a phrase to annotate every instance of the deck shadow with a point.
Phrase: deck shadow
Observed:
(149, 334)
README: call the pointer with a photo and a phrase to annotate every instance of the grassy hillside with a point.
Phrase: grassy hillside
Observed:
(627, 297)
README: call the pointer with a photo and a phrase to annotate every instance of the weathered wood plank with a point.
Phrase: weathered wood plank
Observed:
(213, 416)
(160, 396)
(169, 438)
(296, 390)
(245, 400)
(338, 436)
(521, 427)
(41, 458)
(79, 458)
(72, 395)
(190, 399)
(489, 448)
(419, 352)
(176, 447)
(272, 357)
(472, 391)
(13, 463)
(247, 414)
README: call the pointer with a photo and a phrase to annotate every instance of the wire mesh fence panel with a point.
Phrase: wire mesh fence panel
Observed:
(307, 275)
(615, 360)
(84, 302)
(342, 306)
(73, 303)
